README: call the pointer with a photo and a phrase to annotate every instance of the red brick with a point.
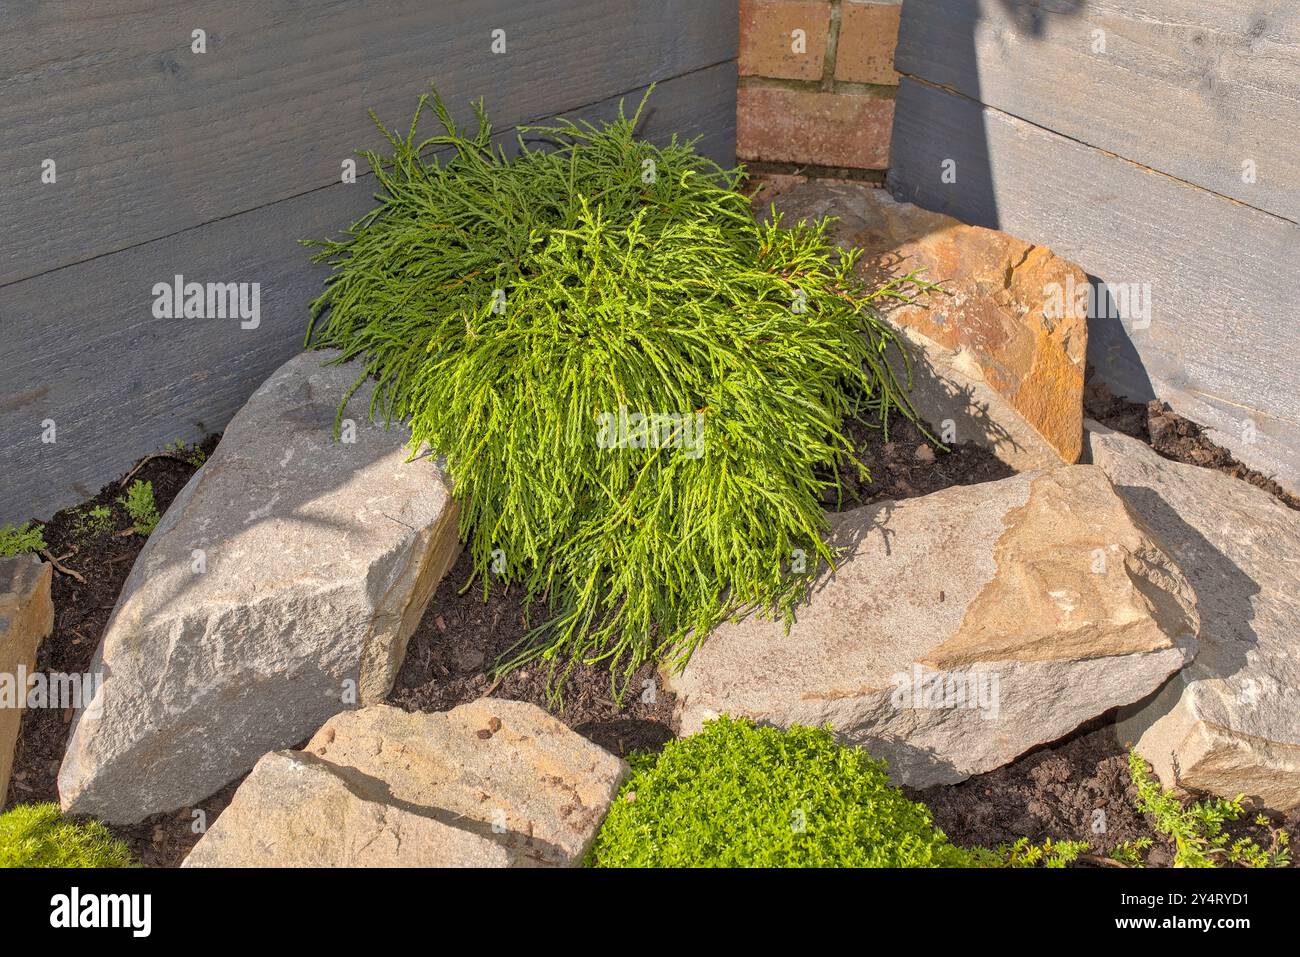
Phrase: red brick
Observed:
(767, 41)
(800, 126)
(868, 36)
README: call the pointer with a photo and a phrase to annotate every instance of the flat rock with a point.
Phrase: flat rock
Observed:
(281, 586)
(1007, 318)
(1229, 723)
(961, 628)
(505, 770)
(26, 619)
(295, 811)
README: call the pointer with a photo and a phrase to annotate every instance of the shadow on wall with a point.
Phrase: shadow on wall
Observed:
(1109, 343)
(962, 58)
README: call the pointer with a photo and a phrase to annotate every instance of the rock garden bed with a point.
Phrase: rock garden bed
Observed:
(332, 645)
(451, 654)
(1052, 793)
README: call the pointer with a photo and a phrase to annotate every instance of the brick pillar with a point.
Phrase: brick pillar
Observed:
(817, 84)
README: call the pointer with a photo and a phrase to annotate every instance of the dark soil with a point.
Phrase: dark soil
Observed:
(163, 840)
(451, 656)
(1173, 436)
(103, 557)
(1078, 789)
(909, 464)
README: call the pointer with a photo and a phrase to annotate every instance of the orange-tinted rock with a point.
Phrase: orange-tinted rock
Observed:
(1001, 302)
(961, 629)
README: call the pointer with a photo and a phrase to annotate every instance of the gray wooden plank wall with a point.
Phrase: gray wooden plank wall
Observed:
(214, 165)
(1121, 133)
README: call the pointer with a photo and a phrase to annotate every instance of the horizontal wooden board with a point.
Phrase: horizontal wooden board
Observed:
(1223, 276)
(151, 138)
(82, 347)
(1192, 89)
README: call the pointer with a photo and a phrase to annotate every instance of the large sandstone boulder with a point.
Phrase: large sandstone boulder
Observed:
(1007, 318)
(280, 587)
(961, 628)
(501, 768)
(26, 619)
(295, 811)
(1229, 723)
(489, 783)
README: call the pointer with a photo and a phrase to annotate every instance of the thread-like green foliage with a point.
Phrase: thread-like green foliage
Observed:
(737, 795)
(510, 308)
(20, 539)
(38, 835)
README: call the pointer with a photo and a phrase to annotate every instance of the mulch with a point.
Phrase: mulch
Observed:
(1053, 792)
(1173, 436)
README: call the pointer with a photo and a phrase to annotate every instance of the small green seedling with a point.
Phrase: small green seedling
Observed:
(189, 454)
(141, 506)
(21, 539)
(1053, 854)
(92, 522)
(1197, 830)
(1132, 853)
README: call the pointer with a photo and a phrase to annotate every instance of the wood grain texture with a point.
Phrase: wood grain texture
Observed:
(82, 346)
(151, 138)
(1223, 335)
(1191, 89)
